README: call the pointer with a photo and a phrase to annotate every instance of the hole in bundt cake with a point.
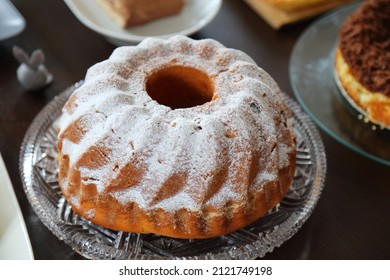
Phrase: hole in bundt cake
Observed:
(180, 87)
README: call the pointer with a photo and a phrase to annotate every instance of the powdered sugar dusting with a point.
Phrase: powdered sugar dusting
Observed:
(196, 143)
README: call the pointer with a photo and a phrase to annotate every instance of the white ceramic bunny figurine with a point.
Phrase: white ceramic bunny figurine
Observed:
(32, 74)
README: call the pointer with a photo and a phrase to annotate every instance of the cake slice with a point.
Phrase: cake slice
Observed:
(134, 12)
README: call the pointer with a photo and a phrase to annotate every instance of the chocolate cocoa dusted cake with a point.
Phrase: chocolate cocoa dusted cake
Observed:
(363, 59)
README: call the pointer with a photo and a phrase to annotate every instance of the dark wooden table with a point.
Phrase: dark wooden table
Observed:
(351, 220)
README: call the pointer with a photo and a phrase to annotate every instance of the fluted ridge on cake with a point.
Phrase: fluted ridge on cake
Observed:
(130, 163)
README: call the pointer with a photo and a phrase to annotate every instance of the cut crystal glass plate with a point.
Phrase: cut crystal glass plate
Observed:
(39, 168)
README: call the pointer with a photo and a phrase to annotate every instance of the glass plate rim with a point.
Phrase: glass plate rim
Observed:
(250, 251)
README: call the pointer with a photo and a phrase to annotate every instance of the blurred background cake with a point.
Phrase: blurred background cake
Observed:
(363, 60)
(278, 13)
(134, 12)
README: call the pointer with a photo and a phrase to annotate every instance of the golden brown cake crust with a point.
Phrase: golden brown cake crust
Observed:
(180, 224)
(376, 105)
(129, 163)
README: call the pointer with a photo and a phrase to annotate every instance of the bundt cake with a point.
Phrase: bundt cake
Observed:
(363, 59)
(134, 12)
(178, 137)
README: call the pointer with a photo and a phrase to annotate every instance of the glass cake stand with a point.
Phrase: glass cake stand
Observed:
(314, 84)
(39, 169)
